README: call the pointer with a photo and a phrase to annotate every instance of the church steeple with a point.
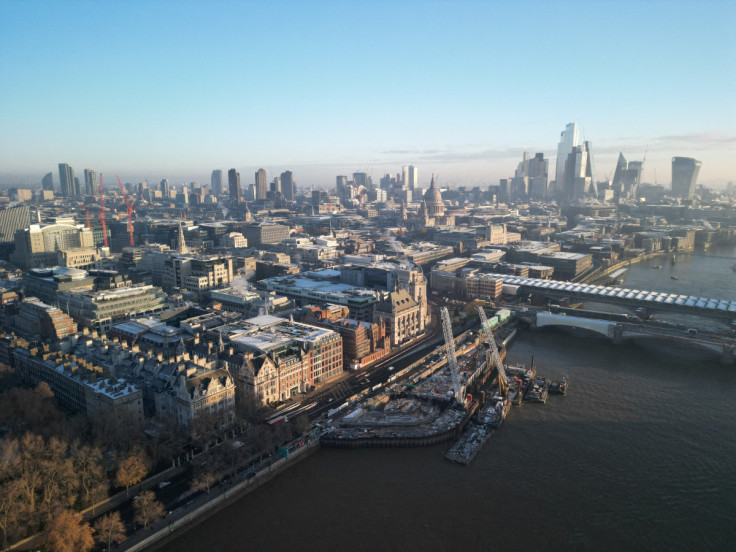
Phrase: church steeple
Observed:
(181, 246)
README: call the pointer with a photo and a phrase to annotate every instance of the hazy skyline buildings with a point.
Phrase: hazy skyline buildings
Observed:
(66, 180)
(47, 182)
(579, 181)
(413, 177)
(233, 181)
(626, 178)
(164, 187)
(90, 182)
(261, 184)
(568, 140)
(684, 176)
(288, 187)
(216, 181)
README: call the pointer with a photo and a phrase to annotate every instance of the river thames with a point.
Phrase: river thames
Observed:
(638, 456)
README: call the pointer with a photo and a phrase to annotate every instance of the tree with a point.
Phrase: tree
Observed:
(65, 532)
(87, 461)
(110, 529)
(147, 509)
(10, 512)
(131, 470)
(203, 481)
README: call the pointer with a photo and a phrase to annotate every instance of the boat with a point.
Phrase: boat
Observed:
(657, 267)
(675, 277)
(538, 391)
(516, 392)
(559, 387)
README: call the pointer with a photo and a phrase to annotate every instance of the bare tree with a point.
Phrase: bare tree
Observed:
(147, 509)
(88, 461)
(65, 532)
(110, 529)
(10, 511)
(131, 470)
(203, 481)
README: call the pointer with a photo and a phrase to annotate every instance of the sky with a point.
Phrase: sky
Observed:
(174, 89)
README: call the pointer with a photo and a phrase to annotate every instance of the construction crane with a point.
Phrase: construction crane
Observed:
(129, 206)
(451, 356)
(102, 211)
(503, 380)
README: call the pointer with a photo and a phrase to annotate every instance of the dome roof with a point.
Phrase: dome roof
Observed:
(433, 195)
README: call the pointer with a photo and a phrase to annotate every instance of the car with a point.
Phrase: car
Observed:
(390, 368)
(164, 484)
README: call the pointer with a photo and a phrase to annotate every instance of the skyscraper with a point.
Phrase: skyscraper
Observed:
(684, 176)
(233, 180)
(216, 182)
(90, 182)
(164, 187)
(578, 175)
(261, 184)
(288, 186)
(404, 176)
(626, 178)
(413, 177)
(538, 173)
(568, 140)
(47, 182)
(66, 180)
(276, 185)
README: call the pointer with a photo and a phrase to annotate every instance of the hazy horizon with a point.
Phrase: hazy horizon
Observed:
(175, 90)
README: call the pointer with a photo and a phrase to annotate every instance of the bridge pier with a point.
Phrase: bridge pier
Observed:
(727, 355)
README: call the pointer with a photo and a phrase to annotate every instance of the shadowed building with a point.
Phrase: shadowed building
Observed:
(684, 176)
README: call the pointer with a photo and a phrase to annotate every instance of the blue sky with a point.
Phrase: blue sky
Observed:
(175, 89)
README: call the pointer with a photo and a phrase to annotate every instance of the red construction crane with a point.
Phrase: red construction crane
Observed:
(86, 212)
(129, 205)
(102, 210)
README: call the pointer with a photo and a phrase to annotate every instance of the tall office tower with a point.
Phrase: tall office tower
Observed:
(261, 185)
(77, 187)
(341, 182)
(47, 182)
(288, 186)
(276, 184)
(164, 187)
(90, 182)
(404, 176)
(538, 173)
(684, 176)
(578, 174)
(568, 140)
(66, 180)
(413, 177)
(360, 179)
(626, 178)
(216, 181)
(233, 181)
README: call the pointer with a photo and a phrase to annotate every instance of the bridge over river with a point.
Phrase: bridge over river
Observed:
(653, 301)
(620, 332)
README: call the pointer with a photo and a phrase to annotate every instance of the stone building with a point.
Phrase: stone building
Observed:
(401, 315)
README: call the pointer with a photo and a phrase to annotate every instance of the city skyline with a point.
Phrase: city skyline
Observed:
(467, 109)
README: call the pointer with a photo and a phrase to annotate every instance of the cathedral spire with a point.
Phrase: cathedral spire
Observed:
(181, 246)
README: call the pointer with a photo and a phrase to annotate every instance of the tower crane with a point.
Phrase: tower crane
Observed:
(129, 206)
(102, 211)
(503, 380)
(451, 356)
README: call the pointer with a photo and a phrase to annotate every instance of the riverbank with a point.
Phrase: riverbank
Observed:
(175, 524)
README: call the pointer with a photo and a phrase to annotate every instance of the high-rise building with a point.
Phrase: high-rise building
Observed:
(47, 182)
(404, 176)
(684, 176)
(578, 175)
(66, 180)
(276, 185)
(164, 187)
(413, 177)
(568, 140)
(90, 182)
(341, 183)
(288, 186)
(626, 178)
(361, 179)
(538, 173)
(233, 180)
(216, 182)
(12, 220)
(261, 184)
